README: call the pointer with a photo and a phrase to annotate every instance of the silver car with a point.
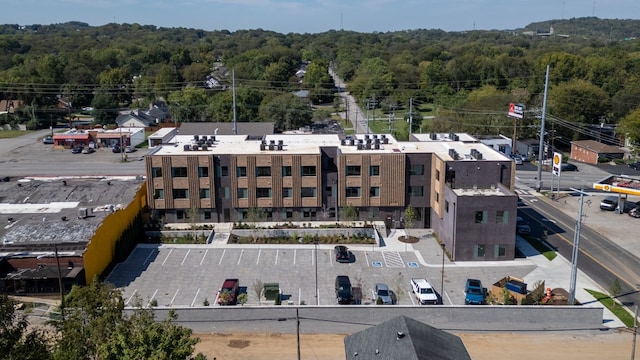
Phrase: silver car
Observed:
(382, 292)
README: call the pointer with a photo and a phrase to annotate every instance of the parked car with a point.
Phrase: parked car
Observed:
(424, 292)
(635, 212)
(344, 292)
(383, 293)
(522, 227)
(609, 203)
(473, 292)
(77, 150)
(635, 165)
(229, 292)
(88, 150)
(626, 207)
(568, 167)
(48, 140)
(516, 158)
(342, 253)
(130, 149)
(116, 149)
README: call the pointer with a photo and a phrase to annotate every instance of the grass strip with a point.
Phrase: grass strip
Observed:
(618, 310)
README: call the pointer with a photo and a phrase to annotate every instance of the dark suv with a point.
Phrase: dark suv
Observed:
(344, 292)
(229, 292)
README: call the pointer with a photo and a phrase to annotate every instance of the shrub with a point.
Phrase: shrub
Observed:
(205, 302)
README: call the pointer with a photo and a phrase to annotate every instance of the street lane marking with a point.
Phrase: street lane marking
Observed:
(366, 258)
(195, 297)
(185, 257)
(165, 259)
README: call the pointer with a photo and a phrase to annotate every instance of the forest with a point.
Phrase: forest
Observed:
(464, 81)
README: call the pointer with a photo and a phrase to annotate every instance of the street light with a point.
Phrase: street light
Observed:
(442, 276)
(315, 245)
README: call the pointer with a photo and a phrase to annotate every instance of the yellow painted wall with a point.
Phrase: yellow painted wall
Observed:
(101, 248)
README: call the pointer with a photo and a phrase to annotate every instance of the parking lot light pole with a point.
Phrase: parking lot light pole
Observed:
(442, 276)
(315, 245)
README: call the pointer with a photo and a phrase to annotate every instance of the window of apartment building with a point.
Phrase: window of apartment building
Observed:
(287, 192)
(158, 194)
(203, 171)
(309, 214)
(352, 191)
(416, 170)
(181, 214)
(156, 172)
(502, 217)
(499, 250)
(241, 171)
(224, 171)
(308, 170)
(308, 192)
(437, 197)
(286, 171)
(180, 193)
(207, 214)
(437, 175)
(479, 250)
(374, 191)
(446, 206)
(263, 171)
(263, 192)
(204, 194)
(353, 170)
(374, 170)
(226, 192)
(288, 214)
(179, 172)
(373, 213)
(243, 193)
(481, 217)
(415, 190)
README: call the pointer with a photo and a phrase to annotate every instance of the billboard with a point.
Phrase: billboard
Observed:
(557, 164)
(516, 110)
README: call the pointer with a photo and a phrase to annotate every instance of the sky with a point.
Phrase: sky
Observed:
(315, 16)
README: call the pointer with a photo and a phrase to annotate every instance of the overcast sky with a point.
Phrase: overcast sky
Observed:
(314, 16)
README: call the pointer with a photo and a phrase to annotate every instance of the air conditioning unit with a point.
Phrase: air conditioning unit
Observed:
(83, 213)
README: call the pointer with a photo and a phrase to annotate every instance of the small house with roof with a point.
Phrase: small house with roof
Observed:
(592, 152)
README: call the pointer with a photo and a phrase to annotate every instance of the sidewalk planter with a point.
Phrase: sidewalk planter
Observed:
(305, 236)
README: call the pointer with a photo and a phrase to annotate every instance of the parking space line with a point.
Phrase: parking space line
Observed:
(314, 256)
(240, 257)
(174, 297)
(366, 258)
(295, 253)
(151, 298)
(185, 257)
(204, 256)
(411, 297)
(450, 302)
(258, 259)
(195, 297)
(165, 259)
(277, 253)
(146, 261)
(299, 295)
(131, 297)
(222, 256)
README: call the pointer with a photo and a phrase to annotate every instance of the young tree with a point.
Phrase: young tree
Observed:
(409, 217)
(255, 215)
(16, 342)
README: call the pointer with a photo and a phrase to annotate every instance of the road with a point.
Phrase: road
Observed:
(355, 114)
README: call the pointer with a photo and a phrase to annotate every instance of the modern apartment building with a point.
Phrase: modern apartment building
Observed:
(458, 186)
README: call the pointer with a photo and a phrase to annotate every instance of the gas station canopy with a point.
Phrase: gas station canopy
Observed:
(620, 184)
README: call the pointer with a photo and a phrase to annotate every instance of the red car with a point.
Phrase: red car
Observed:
(229, 292)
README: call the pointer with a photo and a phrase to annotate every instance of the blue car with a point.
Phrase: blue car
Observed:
(473, 292)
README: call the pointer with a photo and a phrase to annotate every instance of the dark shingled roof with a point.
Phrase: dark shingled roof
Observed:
(253, 129)
(404, 338)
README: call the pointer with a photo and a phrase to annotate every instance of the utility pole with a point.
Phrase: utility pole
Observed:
(233, 87)
(541, 144)
(410, 117)
(576, 249)
(635, 334)
(298, 331)
(60, 284)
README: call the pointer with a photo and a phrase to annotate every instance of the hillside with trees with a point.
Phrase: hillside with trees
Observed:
(467, 79)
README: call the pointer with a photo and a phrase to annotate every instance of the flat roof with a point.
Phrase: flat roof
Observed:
(620, 184)
(481, 192)
(464, 137)
(38, 212)
(162, 132)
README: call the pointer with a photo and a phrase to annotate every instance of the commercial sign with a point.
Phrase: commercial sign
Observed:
(557, 164)
(516, 110)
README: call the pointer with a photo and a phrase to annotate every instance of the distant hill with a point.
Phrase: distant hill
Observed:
(589, 27)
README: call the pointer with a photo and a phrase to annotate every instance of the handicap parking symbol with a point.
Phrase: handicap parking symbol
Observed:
(376, 263)
(412, 264)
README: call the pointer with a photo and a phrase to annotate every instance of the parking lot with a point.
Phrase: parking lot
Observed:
(184, 276)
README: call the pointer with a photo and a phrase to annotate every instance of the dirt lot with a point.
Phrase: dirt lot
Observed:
(611, 345)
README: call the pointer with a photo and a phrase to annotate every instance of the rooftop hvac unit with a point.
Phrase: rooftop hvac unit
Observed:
(366, 136)
(343, 142)
(263, 147)
(453, 154)
(359, 146)
(272, 146)
(375, 136)
(352, 142)
(212, 137)
(280, 147)
(194, 148)
(280, 142)
(83, 213)
(367, 145)
(376, 146)
(433, 136)
(360, 141)
(452, 135)
(272, 142)
(196, 137)
(264, 142)
(204, 147)
(187, 147)
(456, 137)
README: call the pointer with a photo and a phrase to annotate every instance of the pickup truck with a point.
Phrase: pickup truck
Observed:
(424, 292)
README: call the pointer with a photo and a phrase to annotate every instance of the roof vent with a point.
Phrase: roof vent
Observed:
(399, 335)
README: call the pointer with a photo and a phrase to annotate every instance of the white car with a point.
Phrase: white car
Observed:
(424, 292)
